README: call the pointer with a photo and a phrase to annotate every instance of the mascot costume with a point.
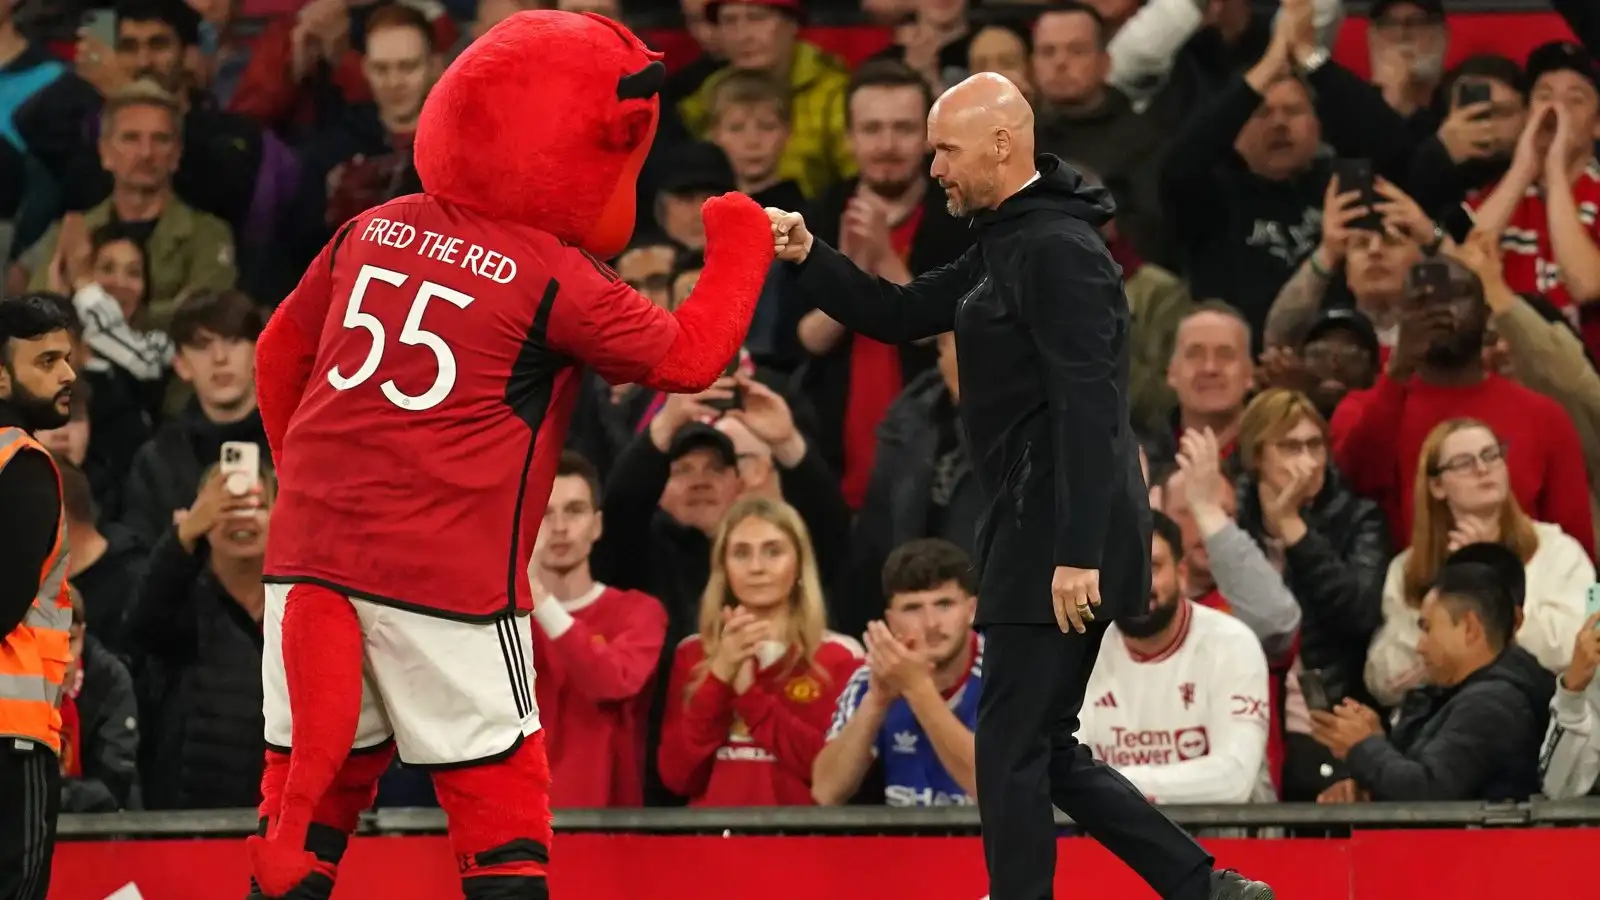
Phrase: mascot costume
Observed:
(416, 442)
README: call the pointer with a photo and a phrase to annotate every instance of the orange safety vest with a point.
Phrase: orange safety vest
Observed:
(33, 658)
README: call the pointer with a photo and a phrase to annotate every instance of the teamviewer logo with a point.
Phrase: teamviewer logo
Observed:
(1192, 743)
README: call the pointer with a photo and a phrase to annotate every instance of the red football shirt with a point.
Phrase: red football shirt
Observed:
(416, 467)
(1528, 258)
(719, 748)
(592, 685)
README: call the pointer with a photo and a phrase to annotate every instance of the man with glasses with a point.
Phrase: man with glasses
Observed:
(1407, 40)
(1435, 373)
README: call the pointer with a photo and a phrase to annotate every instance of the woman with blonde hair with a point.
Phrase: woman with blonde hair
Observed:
(1330, 547)
(751, 695)
(1463, 496)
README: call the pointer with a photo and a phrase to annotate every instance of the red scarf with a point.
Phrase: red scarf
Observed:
(71, 739)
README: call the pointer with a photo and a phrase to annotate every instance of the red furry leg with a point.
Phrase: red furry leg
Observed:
(322, 663)
(354, 789)
(499, 817)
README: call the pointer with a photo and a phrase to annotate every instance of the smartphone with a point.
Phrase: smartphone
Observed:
(1431, 281)
(1473, 92)
(101, 24)
(1356, 175)
(1315, 689)
(1594, 601)
(240, 466)
(737, 400)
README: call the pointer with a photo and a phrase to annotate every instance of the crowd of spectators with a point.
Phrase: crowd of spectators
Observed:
(1363, 347)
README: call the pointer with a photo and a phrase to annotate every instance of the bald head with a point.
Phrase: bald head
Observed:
(982, 136)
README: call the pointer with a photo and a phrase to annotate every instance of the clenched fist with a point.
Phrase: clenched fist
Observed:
(736, 228)
(791, 240)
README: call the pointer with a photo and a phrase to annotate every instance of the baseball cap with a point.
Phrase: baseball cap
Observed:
(792, 7)
(1348, 320)
(1433, 9)
(700, 436)
(1558, 55)
(696, 165)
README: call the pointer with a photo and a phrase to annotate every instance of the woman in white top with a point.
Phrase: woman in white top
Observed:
(1463, 496)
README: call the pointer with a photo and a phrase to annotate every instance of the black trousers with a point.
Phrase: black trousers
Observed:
(1034, 678)
(30, 799)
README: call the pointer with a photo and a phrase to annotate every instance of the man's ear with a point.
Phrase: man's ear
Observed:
(5, 382)
(599, 525)
(181, 366)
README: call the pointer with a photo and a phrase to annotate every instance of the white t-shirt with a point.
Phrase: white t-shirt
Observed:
(1189, 725)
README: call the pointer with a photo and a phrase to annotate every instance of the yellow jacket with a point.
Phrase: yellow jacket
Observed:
(817, 155)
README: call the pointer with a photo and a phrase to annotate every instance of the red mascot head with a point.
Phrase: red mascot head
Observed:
(546, 121)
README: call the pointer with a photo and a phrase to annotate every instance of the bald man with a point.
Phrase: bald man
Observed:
(1041, 329)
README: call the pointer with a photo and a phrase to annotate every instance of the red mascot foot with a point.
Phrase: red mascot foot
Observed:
(322, 665)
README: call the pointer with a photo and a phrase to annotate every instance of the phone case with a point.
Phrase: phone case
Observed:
(1594, 600)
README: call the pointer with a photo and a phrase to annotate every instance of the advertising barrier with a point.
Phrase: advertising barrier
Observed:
(1372, 865)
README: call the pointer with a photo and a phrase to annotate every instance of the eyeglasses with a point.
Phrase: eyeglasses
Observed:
(1338, 356)
(1315, 446)
(1488, 458)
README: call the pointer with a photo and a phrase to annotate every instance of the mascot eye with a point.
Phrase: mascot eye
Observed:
(643, 84)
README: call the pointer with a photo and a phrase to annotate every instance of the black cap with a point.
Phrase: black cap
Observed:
(1349, 320)
(1433, 9)
(697, 165)
(1556, 56)
(1498, 558)
(700, 436)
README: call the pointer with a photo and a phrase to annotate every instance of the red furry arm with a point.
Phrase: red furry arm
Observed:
(629, 340)
(286, 352)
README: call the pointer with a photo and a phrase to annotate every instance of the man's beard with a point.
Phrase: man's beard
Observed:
(890, 190)
(1151, 622)
(974, 197)
(38, 413)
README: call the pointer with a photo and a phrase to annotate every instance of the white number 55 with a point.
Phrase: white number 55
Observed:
(412, 334)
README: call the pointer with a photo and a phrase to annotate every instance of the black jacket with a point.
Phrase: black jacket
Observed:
(939, 240)
(1478, 740)
(166, 470)
(1041, 329)
(108, 736)
(108, 586)
(1336, 573)
(200, 685)
(899, 497)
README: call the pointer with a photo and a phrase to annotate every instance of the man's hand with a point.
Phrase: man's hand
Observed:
(1555, 156)
(1419, 328)
(1075, 593)
(1282, 367)
(211, 505)
(1526, 163)
(1346, 791)
(97, 64)
(1585, 656)
(1339, 211)
(1468, 133)
(1296, 21)
(1402, 216)
(1480, 253)
(899, 665)
(791, 240)
(681, 409)
(1200, 461)
(1348, 725)
(764, 412)
(865, 227)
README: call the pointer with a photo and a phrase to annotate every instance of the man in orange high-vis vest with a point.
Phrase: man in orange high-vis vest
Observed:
(35, 610)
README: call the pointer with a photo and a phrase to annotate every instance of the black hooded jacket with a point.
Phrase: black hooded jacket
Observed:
(1041, 329)
(1478, 740)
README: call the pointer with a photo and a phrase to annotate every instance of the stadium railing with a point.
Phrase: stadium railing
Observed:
(866, 819)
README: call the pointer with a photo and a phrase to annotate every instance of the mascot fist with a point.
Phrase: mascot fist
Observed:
(737, 227)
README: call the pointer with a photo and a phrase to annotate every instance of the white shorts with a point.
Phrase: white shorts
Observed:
(450, 693)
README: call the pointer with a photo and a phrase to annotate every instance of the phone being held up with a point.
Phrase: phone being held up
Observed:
(723, 404)
(1356, 175)
(1314, 688)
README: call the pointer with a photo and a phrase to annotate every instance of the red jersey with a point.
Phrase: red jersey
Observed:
(719, 748)
(1529, 260)
(595, 659)
(1378, 434)
(415, 469)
